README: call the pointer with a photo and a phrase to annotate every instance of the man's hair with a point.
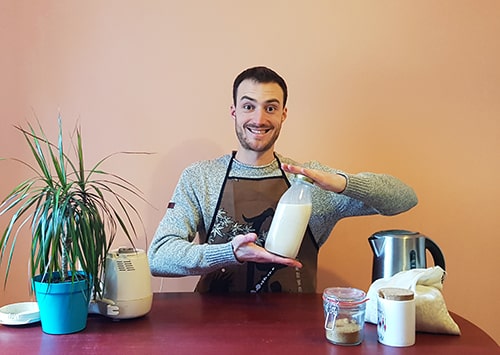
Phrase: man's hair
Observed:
(260, 75)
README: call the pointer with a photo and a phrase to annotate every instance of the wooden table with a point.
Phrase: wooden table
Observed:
(190, 323)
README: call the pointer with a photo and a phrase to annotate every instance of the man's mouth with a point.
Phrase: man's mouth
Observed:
(255, 130)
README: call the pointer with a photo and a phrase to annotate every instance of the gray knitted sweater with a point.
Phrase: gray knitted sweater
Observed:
(174, 252)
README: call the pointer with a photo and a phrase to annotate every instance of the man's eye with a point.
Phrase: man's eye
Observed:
(247, 107)
(270, 109)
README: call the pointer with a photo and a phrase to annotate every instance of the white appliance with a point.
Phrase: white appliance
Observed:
(127, 285)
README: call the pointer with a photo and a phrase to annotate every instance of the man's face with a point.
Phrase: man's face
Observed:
(258, 115)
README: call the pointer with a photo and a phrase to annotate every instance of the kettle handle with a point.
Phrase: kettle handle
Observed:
(436, 253)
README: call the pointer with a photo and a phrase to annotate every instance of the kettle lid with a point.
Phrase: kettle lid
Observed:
(394, 233)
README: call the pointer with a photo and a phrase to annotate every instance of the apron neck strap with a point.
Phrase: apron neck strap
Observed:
(233, 156)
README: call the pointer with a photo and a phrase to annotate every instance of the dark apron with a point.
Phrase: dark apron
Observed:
(247, 205)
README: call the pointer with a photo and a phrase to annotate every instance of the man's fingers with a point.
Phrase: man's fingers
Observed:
(246, 250)
(244, 238)
(286, 261)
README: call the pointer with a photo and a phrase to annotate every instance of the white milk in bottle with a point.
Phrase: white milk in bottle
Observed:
(291, 219)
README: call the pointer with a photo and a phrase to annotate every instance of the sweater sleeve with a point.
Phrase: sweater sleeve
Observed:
(365, 194)
(371, 193)
(173, 251)
(386, 194)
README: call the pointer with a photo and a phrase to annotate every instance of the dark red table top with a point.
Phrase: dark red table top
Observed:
(191, 323)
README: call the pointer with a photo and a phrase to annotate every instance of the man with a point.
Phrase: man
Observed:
(229, 203)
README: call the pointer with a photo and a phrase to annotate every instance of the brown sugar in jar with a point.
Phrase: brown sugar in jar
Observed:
(345, 331)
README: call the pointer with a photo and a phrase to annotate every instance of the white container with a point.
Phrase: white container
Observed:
(290, 219)
(396, 317)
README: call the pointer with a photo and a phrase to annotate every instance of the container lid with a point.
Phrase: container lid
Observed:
(395, 233)
(395, 294)
(344, 296)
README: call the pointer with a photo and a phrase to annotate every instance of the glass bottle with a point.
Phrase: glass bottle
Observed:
(291, 219)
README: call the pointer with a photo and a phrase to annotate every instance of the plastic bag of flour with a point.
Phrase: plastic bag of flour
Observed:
(431, 313)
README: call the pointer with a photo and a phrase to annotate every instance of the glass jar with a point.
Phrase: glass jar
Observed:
(344, 315)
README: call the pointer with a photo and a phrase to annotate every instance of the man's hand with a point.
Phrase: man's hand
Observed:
(245, 249)
(327, 181)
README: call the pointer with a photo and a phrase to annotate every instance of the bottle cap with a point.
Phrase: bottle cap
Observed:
(303, 178)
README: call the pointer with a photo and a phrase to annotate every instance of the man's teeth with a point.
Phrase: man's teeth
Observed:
(258, 131)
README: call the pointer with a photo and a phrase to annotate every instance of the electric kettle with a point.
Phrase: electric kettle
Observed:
(398, 250)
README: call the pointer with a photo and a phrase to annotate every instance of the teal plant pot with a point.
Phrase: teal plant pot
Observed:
(63, 305)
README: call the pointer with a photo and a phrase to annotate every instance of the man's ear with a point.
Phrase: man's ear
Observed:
(232, 111)
(284, 114)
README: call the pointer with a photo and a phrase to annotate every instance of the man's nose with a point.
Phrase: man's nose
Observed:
(259, 115)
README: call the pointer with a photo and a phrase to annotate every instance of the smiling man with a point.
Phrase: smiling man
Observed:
(229, 203)
(258, 112)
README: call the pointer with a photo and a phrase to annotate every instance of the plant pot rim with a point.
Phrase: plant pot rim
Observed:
(43, 278)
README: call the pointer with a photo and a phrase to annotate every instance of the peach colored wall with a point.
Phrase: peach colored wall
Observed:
(411, 88)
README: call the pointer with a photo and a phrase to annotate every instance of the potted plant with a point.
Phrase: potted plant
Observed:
(74, 214)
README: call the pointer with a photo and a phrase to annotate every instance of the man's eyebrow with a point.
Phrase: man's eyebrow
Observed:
(247, 98)
(244, 97)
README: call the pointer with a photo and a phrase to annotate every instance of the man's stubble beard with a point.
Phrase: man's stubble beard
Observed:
(240, 133)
